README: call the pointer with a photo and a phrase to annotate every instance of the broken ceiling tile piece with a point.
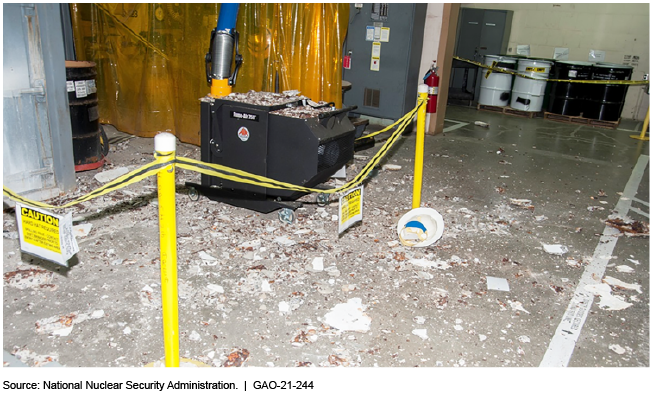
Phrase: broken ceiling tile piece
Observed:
(517, 306)
(497, 284)
(317, 264)
(555, 249)
(523, 203)
(422, 333)
(624, 269)
(419, 320)
(81, 230)
(214, 288)
(391, 167)
(607, 300)
(111, 174)
(349, 316)
(284, 307)
(206, 257)
(620, 284)
(285, 241)
(617, 348)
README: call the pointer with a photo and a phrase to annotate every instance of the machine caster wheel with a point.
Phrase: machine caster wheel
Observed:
(193, 193)
(323, 199)
(286, 215)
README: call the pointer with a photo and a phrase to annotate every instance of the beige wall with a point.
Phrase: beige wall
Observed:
(431, 41)
(618, 29)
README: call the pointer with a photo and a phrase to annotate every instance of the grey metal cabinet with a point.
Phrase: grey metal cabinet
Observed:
(385, 44)
(36, 132)
(480, 32)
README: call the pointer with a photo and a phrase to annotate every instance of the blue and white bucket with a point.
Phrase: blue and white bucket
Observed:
(420, 227)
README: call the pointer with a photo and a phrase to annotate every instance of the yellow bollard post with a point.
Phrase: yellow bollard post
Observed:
(423, 95)
(165, 147)
(644, 129)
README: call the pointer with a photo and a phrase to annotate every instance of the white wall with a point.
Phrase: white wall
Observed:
(618, 29)
(431, 42)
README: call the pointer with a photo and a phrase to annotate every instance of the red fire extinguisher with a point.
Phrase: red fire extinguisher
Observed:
(432, 80)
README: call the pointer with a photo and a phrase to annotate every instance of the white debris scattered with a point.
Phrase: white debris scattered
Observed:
(620, 284)
(482, 337)
(482, 124)
(81, 230)
(617, 348)
(607, 300)
(438, 264)
(517, 306)
(422, 333)
(419, 320)
(541, 218)
(523, 203)
(214, 288)
(391, 167)
(266, 286)
(29, 278)
(61, 325)
(634, 261)
(523, 339)
(555, 249)
(127, 330)
(285, 241)
(251, 244)
(317, 264)
(349, 316)
(458, 327)
(624, 269)
(497, 284)
(206, 257)
(194, 336)
(111, 174)
(284, 307)
(594, 208)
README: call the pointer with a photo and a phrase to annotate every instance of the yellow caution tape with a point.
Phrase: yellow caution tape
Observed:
(535, 69)
(227, 173)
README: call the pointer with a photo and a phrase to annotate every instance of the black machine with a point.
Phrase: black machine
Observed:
(280, 136)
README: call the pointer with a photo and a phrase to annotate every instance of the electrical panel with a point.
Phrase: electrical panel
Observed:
(382, 58)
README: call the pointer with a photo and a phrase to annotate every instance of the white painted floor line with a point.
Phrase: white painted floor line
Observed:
(560, 349)
(459, 124)
(640, 201)
(641, 212)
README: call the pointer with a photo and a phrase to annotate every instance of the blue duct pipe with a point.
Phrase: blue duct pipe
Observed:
(227, 17)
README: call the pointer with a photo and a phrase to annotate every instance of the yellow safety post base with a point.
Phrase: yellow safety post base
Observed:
(220, 88)
(644, 129)
(165, 147)
(423, 95)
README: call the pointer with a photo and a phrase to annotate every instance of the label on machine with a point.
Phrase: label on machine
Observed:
(244, 116)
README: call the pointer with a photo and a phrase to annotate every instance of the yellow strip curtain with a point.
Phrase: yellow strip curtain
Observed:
(151, 67)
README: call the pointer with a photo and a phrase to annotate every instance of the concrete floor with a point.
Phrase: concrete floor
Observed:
(245, 290)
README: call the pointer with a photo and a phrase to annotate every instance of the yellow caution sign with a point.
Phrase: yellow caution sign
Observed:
(46, 235)
(350, 208)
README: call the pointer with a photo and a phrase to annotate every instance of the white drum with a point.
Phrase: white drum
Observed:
(528, 94)
(495, 89)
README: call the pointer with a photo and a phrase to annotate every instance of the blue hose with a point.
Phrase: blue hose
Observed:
(227, 17)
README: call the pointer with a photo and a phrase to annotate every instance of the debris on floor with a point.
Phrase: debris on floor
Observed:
(482, 124)
(555, 249)
(523, 203)
(629, 227)
(349, 316)
(497, 284)
(111, 174)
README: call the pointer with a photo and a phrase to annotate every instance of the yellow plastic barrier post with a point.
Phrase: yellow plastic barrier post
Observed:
(644, 129)
(423, 94)
(165, 147)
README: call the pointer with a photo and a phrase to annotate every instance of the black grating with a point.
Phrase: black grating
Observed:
(371, 98)
(335, 152)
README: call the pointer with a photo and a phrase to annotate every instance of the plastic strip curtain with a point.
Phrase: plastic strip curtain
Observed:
(151, 67)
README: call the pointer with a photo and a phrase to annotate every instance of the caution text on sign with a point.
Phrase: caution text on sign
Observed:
(46, 235)
(350, 208)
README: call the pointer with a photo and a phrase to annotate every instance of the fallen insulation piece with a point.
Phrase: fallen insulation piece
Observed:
(349, 316)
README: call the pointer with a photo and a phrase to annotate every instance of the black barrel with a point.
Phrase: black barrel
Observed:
(566, 98)
(605, 102)
(84, 115)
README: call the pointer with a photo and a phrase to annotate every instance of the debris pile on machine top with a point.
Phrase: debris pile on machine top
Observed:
(263, 98)
(312, 109)
(297, 106)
